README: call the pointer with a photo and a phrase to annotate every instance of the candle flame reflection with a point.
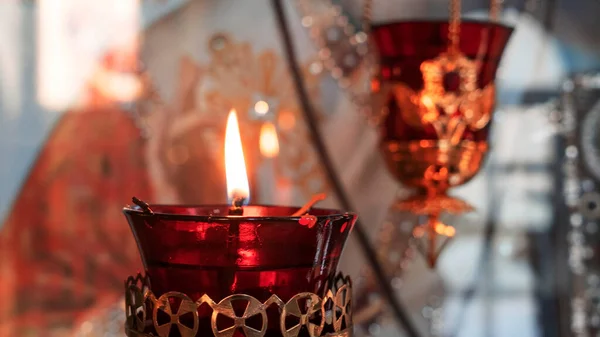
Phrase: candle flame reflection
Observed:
(268, 141)
(235, 165)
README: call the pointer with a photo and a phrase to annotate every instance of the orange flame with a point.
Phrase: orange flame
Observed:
(235, 165)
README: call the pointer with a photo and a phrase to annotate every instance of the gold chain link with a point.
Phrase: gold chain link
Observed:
(495, 8)
(367, 16)
(454, 27)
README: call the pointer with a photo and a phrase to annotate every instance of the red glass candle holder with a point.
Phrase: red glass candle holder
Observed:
(413, 139)
(247, 269)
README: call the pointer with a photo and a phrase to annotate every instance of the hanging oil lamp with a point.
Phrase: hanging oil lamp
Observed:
(435, 85)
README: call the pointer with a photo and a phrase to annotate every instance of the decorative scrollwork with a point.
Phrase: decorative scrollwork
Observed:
(331, 312)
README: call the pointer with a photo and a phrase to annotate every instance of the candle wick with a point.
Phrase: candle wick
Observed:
(315, 199)
(237, 206)
(142, 204)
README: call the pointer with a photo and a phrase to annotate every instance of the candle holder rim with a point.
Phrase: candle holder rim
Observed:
(135, 209)
(465, 21)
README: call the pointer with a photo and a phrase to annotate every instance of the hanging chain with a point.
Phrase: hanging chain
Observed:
(367, 16)
(495, 9)
(454, 27)
(455, 8)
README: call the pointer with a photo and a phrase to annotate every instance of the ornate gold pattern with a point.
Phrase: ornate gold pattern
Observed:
(343, 333)
(187, 306)
(293, 309)
(317, 314)
(449, 111)
(225, 307)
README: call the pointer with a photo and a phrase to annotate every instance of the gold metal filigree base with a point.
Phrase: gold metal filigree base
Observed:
(343, 333)
(327, 315)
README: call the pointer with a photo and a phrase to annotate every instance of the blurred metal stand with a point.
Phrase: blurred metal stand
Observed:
(578, 224)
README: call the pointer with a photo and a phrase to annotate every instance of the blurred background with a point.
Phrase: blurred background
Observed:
(103, 100)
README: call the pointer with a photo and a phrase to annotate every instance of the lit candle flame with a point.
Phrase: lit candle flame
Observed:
(235, 165)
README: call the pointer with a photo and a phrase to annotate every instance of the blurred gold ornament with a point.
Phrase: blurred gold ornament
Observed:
(436, 90)
(431, 238)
